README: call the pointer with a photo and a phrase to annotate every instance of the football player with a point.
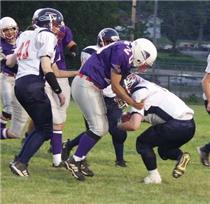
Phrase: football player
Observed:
(204, 151)
(12, 110)
(109, 65)
(34, 55)
(65, 39)
(172, 126)
(114, 112)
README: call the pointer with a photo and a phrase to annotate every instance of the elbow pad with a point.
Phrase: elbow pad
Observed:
(52, 81)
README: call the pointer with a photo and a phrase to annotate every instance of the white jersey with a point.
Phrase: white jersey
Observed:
(31, 46)
(160, 105)
(85, 54)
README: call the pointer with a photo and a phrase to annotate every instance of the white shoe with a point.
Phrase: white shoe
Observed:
(152, 179)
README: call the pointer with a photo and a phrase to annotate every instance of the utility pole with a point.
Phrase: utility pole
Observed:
(155, 22)
(154, 34)
(133, 19)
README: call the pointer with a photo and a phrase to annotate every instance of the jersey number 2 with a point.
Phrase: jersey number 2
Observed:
(23, 50)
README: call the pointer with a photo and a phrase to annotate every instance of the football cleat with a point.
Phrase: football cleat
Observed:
(19, 169)
(204, 156)
(75, 168)
(181, 165)
(85, 169)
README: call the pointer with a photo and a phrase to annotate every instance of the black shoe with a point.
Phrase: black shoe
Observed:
(65, 151)
(19, 169)
(121, 163)
(85, 168)
(181, 165)
(14, 160)
(204, 156)
(75, 168)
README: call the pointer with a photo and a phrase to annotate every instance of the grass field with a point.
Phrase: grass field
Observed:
(110, 185)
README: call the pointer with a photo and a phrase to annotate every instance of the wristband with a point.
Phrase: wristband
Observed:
(52, 81)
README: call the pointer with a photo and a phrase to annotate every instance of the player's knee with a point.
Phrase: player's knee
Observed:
(141, 147)
(119, 136)
(162, 153)
(101, 131)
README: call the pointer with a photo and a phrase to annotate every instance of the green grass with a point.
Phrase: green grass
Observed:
(110, 185)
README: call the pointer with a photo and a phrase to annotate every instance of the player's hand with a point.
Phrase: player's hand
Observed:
(138, 105)
(62, 99)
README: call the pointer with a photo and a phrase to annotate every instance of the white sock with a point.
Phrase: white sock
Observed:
(56, 159)
(76, 158)
(154, 172)
(4, 133)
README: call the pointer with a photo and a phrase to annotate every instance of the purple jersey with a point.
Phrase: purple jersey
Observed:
(7, 49)
(116, 56)
(59, 57)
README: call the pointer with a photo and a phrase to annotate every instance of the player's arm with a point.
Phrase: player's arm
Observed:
(72, 46)
(50, 78)
(120, 91)
(11, 60)
(130, 121)
(63, 73)
(206, 88)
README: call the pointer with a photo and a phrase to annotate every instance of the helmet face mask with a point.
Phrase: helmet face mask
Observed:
(8, 28)
(130, 82)
(144, 54)
(107, 36)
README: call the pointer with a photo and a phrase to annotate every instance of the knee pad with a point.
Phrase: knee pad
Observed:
(100, 131)
(162, 153)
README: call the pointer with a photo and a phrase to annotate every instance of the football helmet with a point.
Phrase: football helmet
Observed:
(8, 28)
(35, 17)
(106, 36)
(144, 54)
(130, 82)
(49, 18)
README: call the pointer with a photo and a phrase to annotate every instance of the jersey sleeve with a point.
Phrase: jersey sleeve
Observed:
(68, 36)
(46, 44)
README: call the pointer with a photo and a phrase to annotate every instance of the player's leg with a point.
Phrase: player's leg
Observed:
(19, 120)
(114, 113)
(204, 151)
(59, 117)
(7, 86)
(83, 92)
(145, 143)
(39, 109)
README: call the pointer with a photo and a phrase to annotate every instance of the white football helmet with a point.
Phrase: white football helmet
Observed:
(144, 53)
(8, 28)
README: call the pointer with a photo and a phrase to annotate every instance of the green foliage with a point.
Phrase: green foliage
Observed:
(110, 185)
